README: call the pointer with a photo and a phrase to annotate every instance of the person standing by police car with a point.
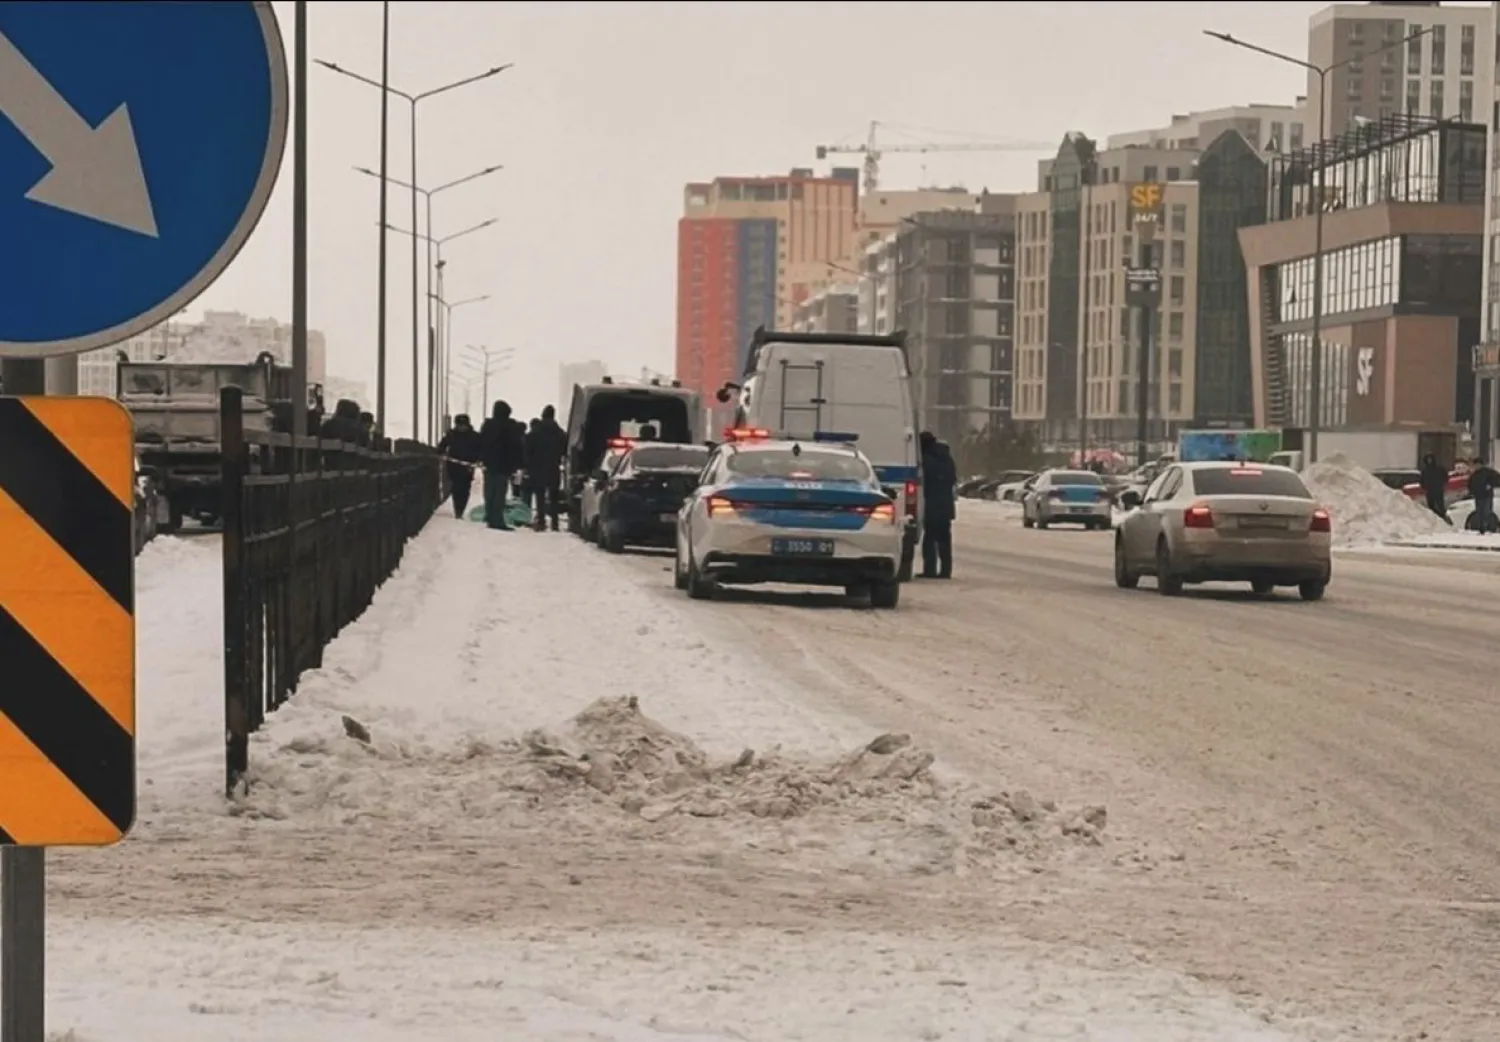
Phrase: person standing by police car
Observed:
(939, 504)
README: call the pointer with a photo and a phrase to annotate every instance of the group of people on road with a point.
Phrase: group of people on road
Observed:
(511, 454)
(1483, 481)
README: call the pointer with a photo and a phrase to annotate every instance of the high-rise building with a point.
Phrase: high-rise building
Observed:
(953, 286)
(833, 309)
(221, 336)
(1078, 339)
(749, 250)
(1446, 74)
(1267, 128)
(1486, 355)
(1402, 278)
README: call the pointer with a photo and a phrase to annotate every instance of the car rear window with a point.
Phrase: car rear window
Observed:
(1075, 477)
(803, 466)
(663, 456)
(1248, 481)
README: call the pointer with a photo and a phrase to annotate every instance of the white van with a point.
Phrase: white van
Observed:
(839, 387)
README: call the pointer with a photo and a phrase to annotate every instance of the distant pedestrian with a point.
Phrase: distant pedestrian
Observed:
(1434, 479)
(344, 424)
(460, 449)
(546, 445)
(502, 451)
(1483, 480)
(939, 504)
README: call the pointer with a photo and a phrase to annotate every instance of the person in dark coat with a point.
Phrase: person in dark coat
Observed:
(369, 437)
(528, 476)
(460, 450)
(344, 424)
(502, 451)
(1483, 480)
(546, 444)
(1434, 479)
(939, 490)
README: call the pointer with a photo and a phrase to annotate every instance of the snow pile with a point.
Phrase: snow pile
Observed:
(1365, 510)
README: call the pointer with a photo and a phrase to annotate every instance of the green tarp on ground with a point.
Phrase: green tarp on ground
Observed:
(517, 513)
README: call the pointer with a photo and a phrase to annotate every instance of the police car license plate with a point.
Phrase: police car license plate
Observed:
(802, 547)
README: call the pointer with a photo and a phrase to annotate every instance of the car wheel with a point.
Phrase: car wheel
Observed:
(679, 574)
(885, 594)
(1313, 589)
(1261, 587)
(1167, 584)
(698, 588)
(1125, 579)
(611, 538)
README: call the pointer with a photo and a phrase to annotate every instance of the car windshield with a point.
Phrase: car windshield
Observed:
(1074, 477)
(662, 457)
(800, 466)
(1248, 481)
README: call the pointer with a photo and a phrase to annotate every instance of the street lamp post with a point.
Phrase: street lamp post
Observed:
(1315, 391)
(412, 101)
(492, 360)
(445, 325)
(427, 194)
(437, 244)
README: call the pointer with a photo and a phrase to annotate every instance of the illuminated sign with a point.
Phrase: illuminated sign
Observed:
(1146, 201)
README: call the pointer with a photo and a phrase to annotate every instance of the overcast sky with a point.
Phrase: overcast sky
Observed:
(611, 107)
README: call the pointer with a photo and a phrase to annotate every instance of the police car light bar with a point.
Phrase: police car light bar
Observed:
(620, 443)
(746, 434)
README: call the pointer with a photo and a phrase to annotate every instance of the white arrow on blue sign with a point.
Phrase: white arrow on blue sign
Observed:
(139, 143)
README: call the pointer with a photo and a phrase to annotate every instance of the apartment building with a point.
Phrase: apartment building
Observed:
(1486, 355)
(1402, 284)
(749, 249)
(1077, 348)
(220, 336)
(1445, 74)
(953, 283)
(1269, 128)
(833, 309)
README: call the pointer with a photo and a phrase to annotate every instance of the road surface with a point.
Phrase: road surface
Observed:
(1304, 799)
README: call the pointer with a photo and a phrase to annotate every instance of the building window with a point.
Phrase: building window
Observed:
(1178, 289)
(1174, 363)
(1413, 97)
(1414, 51)
(1435, 100)
(1174, 173)
(1355, 88)
(1466, 50)
(1174, 399)
(1466, 100)
(1179, 218)
(1149, 174)
(1179, 254)
(1295, 142)
(1439, 50)
(1387, 89)
(1355, 278)
(1174, 325)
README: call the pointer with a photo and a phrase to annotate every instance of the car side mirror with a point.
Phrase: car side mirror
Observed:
(1130, 499)
(722, 395)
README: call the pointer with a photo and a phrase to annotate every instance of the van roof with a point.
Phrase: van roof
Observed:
(764, 337)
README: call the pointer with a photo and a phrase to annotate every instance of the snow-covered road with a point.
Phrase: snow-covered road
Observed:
(467, 874)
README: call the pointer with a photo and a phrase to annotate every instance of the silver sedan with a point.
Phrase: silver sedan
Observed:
(1225, 522)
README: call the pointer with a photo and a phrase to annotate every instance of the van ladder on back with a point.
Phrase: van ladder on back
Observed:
(813, 404)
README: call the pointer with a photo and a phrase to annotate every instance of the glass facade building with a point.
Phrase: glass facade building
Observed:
(1073, 168)
(1232, 184)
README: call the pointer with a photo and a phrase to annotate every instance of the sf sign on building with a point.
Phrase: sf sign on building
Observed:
(1146, 201)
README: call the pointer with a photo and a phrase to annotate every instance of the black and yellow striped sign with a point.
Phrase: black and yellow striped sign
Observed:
(67, 622)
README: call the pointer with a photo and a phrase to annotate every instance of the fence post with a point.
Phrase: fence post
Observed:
(236, 622)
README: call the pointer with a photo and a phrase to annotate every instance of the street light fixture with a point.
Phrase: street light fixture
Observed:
(413, 100)
(1315, 395)
(494, 361)
(427, 194)
(445, 352)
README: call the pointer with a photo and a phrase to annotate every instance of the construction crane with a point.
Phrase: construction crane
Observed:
(872, 150)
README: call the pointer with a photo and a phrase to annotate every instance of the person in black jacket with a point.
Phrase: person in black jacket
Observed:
(939, 487)
(460, 450)
(546, 444)
(343, 425)
(1434, 478)
(1483, 480)
(502, 451)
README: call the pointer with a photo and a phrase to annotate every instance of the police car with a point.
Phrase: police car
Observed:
(776, 510)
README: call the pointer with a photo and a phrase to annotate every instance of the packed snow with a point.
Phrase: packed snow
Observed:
(1365, 510)
(527, 796)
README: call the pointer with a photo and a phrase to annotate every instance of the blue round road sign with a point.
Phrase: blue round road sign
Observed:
(139, 143)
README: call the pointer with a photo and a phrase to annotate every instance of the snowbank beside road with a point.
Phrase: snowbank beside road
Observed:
(1365, 510)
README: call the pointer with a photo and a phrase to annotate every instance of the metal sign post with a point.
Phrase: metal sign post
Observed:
(136, 191)
(1143, 290)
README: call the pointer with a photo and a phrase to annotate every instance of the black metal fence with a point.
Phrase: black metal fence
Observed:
(311, 529)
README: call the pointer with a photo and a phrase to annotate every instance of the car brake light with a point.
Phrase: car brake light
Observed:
(720, 505)
(911, 498)
(1322, 521)
(878, 512)
(746, 434)
(621, 443)
(1197, 516)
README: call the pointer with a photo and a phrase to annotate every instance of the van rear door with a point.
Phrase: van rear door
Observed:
(868, 396)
